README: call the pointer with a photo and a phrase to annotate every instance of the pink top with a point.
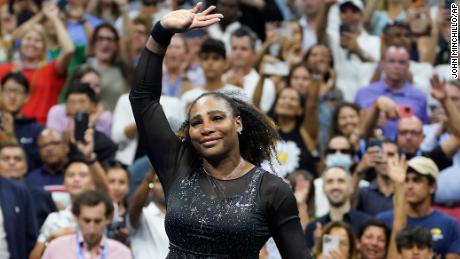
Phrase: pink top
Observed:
(66, 247)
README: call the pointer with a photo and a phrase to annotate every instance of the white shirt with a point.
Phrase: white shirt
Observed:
(4, 253)
(352, 73)
(56, 221)
(190, 96)
(268, 93)
(150, 239)
(123, 116)
(217, 33)
(321, 202)
(421, 75)
(309, 34)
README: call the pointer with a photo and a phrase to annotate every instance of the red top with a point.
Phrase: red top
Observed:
(45, 86)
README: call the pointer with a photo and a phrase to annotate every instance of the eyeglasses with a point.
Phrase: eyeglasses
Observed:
(414, 133)
(335, 150)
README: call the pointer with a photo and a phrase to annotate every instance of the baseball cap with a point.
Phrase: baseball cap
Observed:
(358, 4)
(424, 166)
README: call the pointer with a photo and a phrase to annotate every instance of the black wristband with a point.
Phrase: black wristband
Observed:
(161, 35)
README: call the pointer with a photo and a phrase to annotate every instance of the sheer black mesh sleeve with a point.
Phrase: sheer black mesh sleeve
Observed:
(164, 149)
(284, 221)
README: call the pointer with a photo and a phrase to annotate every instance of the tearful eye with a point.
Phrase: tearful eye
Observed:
(195, 123)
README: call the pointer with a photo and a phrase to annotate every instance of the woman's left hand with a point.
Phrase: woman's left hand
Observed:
(183, 20)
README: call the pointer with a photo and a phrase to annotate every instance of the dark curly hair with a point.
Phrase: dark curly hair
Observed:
(257, 142)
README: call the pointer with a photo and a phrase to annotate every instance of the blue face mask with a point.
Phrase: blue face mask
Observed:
(339, 160)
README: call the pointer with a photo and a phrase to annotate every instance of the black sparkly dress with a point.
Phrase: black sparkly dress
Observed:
(207, 217)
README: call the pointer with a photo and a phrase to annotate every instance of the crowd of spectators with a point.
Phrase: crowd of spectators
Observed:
(361, 91)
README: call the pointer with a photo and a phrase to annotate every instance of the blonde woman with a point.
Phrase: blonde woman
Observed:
(46, 78)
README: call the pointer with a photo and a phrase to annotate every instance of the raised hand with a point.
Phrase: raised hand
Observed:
(50, 10)
(397, 168)
(183, 20)
(388, 106)
(438, 89)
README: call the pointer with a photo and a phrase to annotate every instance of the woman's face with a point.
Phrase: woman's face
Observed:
(94, 81)
(344, 245)
(8, 20)
(296, 31)
(77, 179)
(348, 120)
(373, 243)
(288, 103)
(213, 127)
(176, 53)
(33, 46)
(300, 80)
(105, 46)
(118, 184)
(139, 36)
(320, 58)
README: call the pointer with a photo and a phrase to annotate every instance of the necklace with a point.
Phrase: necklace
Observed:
(237, 170)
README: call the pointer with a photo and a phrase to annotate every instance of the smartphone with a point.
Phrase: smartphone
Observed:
(276, 69)
(285, 30)
(405, 111)
(344, 29)
(330, 243)
(274, 49)
(375, 142)
(81, 125)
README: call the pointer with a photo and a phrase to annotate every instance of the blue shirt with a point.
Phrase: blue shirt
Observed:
(448, 182)
(372, 201)
(407, 95)
(444, 230)
(41, 177)
(76, 30)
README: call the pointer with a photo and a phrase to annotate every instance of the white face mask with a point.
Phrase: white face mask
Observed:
(339, 160)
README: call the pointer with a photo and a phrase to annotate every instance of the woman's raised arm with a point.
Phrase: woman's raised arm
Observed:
(160, 141)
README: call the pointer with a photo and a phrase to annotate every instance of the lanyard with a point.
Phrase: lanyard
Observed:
(80, 250)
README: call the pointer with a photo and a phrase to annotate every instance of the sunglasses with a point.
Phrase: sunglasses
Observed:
(335, 150)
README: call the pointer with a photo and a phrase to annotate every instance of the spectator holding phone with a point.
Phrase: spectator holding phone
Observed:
(100, 118)
(378, 196)
(410, 132)
(79, 176)
(351, 46)
(81, 99)
(395, 86)
(337, 242)
(337, 187)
